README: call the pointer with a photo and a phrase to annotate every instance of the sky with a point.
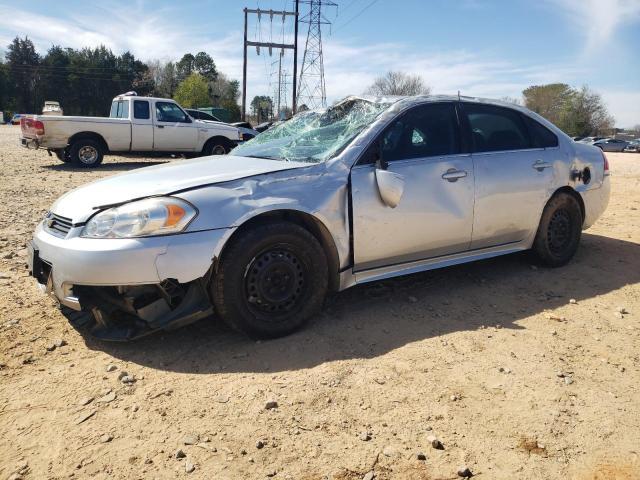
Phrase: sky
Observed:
(487, 48)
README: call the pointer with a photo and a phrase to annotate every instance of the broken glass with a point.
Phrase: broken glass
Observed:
(315, 136)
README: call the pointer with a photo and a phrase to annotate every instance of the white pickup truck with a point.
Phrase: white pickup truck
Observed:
(135, 125)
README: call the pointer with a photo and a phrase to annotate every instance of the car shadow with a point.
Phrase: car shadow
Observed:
(370, 320)
(120, 166)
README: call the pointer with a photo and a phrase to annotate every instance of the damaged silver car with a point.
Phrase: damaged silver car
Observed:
(365, 190)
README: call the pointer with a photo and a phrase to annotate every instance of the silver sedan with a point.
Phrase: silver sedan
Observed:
(365, 190)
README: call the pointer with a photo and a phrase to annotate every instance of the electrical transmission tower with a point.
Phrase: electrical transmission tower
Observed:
(311, 87)
(280, 90)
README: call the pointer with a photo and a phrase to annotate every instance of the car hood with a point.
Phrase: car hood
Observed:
(210, 124)
(79, 204)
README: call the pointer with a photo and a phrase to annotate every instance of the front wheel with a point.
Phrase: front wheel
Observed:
(559, 231)
(216, 146)
(270, 280)
(63, 155)
(86, 153)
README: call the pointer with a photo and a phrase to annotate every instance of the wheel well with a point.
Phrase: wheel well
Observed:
(576, 195)
(217, 138)
(309, 223)
(90, 135)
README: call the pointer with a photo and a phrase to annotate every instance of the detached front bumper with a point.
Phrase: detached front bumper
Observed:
(145, 281)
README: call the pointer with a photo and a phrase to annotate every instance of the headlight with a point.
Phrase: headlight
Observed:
(143, 218)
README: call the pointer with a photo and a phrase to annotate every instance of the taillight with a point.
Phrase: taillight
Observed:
(606, 163)
(38, 128)
(32, 126)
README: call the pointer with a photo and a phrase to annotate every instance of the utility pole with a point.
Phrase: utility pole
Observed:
(311, 87)
(269, 45)
(294, 106)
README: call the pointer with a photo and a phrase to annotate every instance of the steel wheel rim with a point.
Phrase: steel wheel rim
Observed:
(88, 154)
(218, 150)
(274, 282)
(559, 231)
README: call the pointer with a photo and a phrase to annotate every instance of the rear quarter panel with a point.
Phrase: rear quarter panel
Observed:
(58, 130)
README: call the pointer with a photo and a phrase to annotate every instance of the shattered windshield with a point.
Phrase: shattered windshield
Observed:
(314, 136)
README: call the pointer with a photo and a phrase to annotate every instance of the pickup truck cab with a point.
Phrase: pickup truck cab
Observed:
(135, 125)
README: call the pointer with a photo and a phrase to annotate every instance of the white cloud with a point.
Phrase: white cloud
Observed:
(350, 70)
(624, 105)
(160, 33)
(597, 20)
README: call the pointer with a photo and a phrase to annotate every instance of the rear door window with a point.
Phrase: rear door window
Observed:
(495, 129)
(141, 109)
(541, 136)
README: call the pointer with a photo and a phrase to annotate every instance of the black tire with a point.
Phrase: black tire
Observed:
(559, 231)
(270, 280)
(86, 153)
(63, 155)
(216, 146)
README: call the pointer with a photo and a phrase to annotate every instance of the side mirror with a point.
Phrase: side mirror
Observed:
(390, 187)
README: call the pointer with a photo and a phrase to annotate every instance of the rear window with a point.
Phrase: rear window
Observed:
(141, 109)
(541, 136)
(119, 109)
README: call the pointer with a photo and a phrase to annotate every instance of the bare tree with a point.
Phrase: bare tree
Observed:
(515, 101)
(398, 83)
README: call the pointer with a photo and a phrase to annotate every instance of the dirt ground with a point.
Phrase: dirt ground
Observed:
(520, 372)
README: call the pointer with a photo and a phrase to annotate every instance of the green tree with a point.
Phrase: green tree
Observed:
(577, 112)
(192, 92)
(185, 66)
(23, 62)
(586, 114)
(225, 93)
(262, 108)
(551, 101)
(6, 93)
(205, 66)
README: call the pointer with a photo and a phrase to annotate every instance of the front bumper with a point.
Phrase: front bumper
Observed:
(79, 271)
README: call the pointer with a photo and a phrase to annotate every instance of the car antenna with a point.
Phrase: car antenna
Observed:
(458, 95)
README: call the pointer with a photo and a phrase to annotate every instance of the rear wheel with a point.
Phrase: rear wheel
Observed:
(270, 280)
(559, 231)
(86, 153)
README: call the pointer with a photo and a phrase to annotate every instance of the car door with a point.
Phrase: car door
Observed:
(141, 127)
(513, 174)
(174, 131)
(435, 214)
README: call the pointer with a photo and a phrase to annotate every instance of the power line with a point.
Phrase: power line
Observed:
(355, 16)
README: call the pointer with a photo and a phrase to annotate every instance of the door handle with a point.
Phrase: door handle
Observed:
(160, 126)
(540, 165)
(452, 175)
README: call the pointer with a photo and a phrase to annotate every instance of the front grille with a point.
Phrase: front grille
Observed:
(57, 225)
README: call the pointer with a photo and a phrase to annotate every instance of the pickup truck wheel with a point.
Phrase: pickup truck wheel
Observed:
(270, 280)
(86, 153)
(217, 146)
(559, 231)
